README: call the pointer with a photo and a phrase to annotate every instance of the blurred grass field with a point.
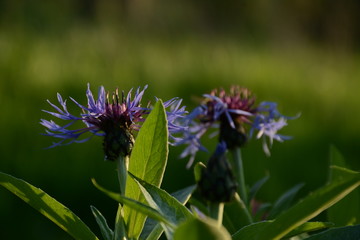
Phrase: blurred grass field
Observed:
(320, 82)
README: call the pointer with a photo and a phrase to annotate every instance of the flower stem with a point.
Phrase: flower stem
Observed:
(216, 211)
(239, 174)
(122, 168)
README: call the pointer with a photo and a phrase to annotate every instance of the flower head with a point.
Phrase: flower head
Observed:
(236, 116)
(115, 117)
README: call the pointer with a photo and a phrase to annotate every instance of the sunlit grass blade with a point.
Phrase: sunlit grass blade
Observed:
(106, 232)
(148, 161)
(47, 206)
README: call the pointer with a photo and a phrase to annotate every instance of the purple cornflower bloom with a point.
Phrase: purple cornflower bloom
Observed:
(114, 119)
(234, 114)
(231, 111)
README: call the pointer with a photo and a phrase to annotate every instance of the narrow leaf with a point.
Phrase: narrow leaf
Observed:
(343, 233)
(148, 161)
(236, 215)
(120, 230)
(347, 211)
(284, 201)
(250, 231)
(159, 199)
(200, 229)
(133, 204)
(106, 232)
(152, 229)
(47, 206)
(310, 207)
(163, 202)
(309, 227)
(254, 189)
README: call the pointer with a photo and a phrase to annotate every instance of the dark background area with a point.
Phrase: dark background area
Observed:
(302, 54)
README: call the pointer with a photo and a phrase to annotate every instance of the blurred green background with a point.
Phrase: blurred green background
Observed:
(302, 54)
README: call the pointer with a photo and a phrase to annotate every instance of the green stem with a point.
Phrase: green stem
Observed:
(239, 174)
(122, 169)
(216, 211)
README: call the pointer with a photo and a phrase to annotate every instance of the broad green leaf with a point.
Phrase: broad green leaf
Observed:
(200, 229)
(343, 233)
(284, 202)
(152, 229)
(236, 215)
(148, 161)
(310, 207)
(254, 189)
(47, 206)
(106, 232)
(347, 211)
(164, 203)
(250, 231)
(133, 204)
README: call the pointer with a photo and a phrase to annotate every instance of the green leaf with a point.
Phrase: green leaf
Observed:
(152, 229)
(343, 233)
(254, 189)
(120, 231)
(133, 204)
(236, 215)
(347, 211)
(309, 227)
(164, 203)
(200, 229)
(285, 200)
(47, 206)
(199, 167)
(106, 232)
(148, 161)
(310, 207)
(250, 231)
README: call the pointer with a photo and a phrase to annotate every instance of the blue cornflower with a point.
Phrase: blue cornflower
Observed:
(268, 122)
(219, 110)
(236, 116)
(114, 119)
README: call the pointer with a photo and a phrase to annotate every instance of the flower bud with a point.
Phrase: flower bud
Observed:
(217, 183)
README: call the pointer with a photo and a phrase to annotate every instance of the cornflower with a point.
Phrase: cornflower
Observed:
(233, 113)
(114, 117)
